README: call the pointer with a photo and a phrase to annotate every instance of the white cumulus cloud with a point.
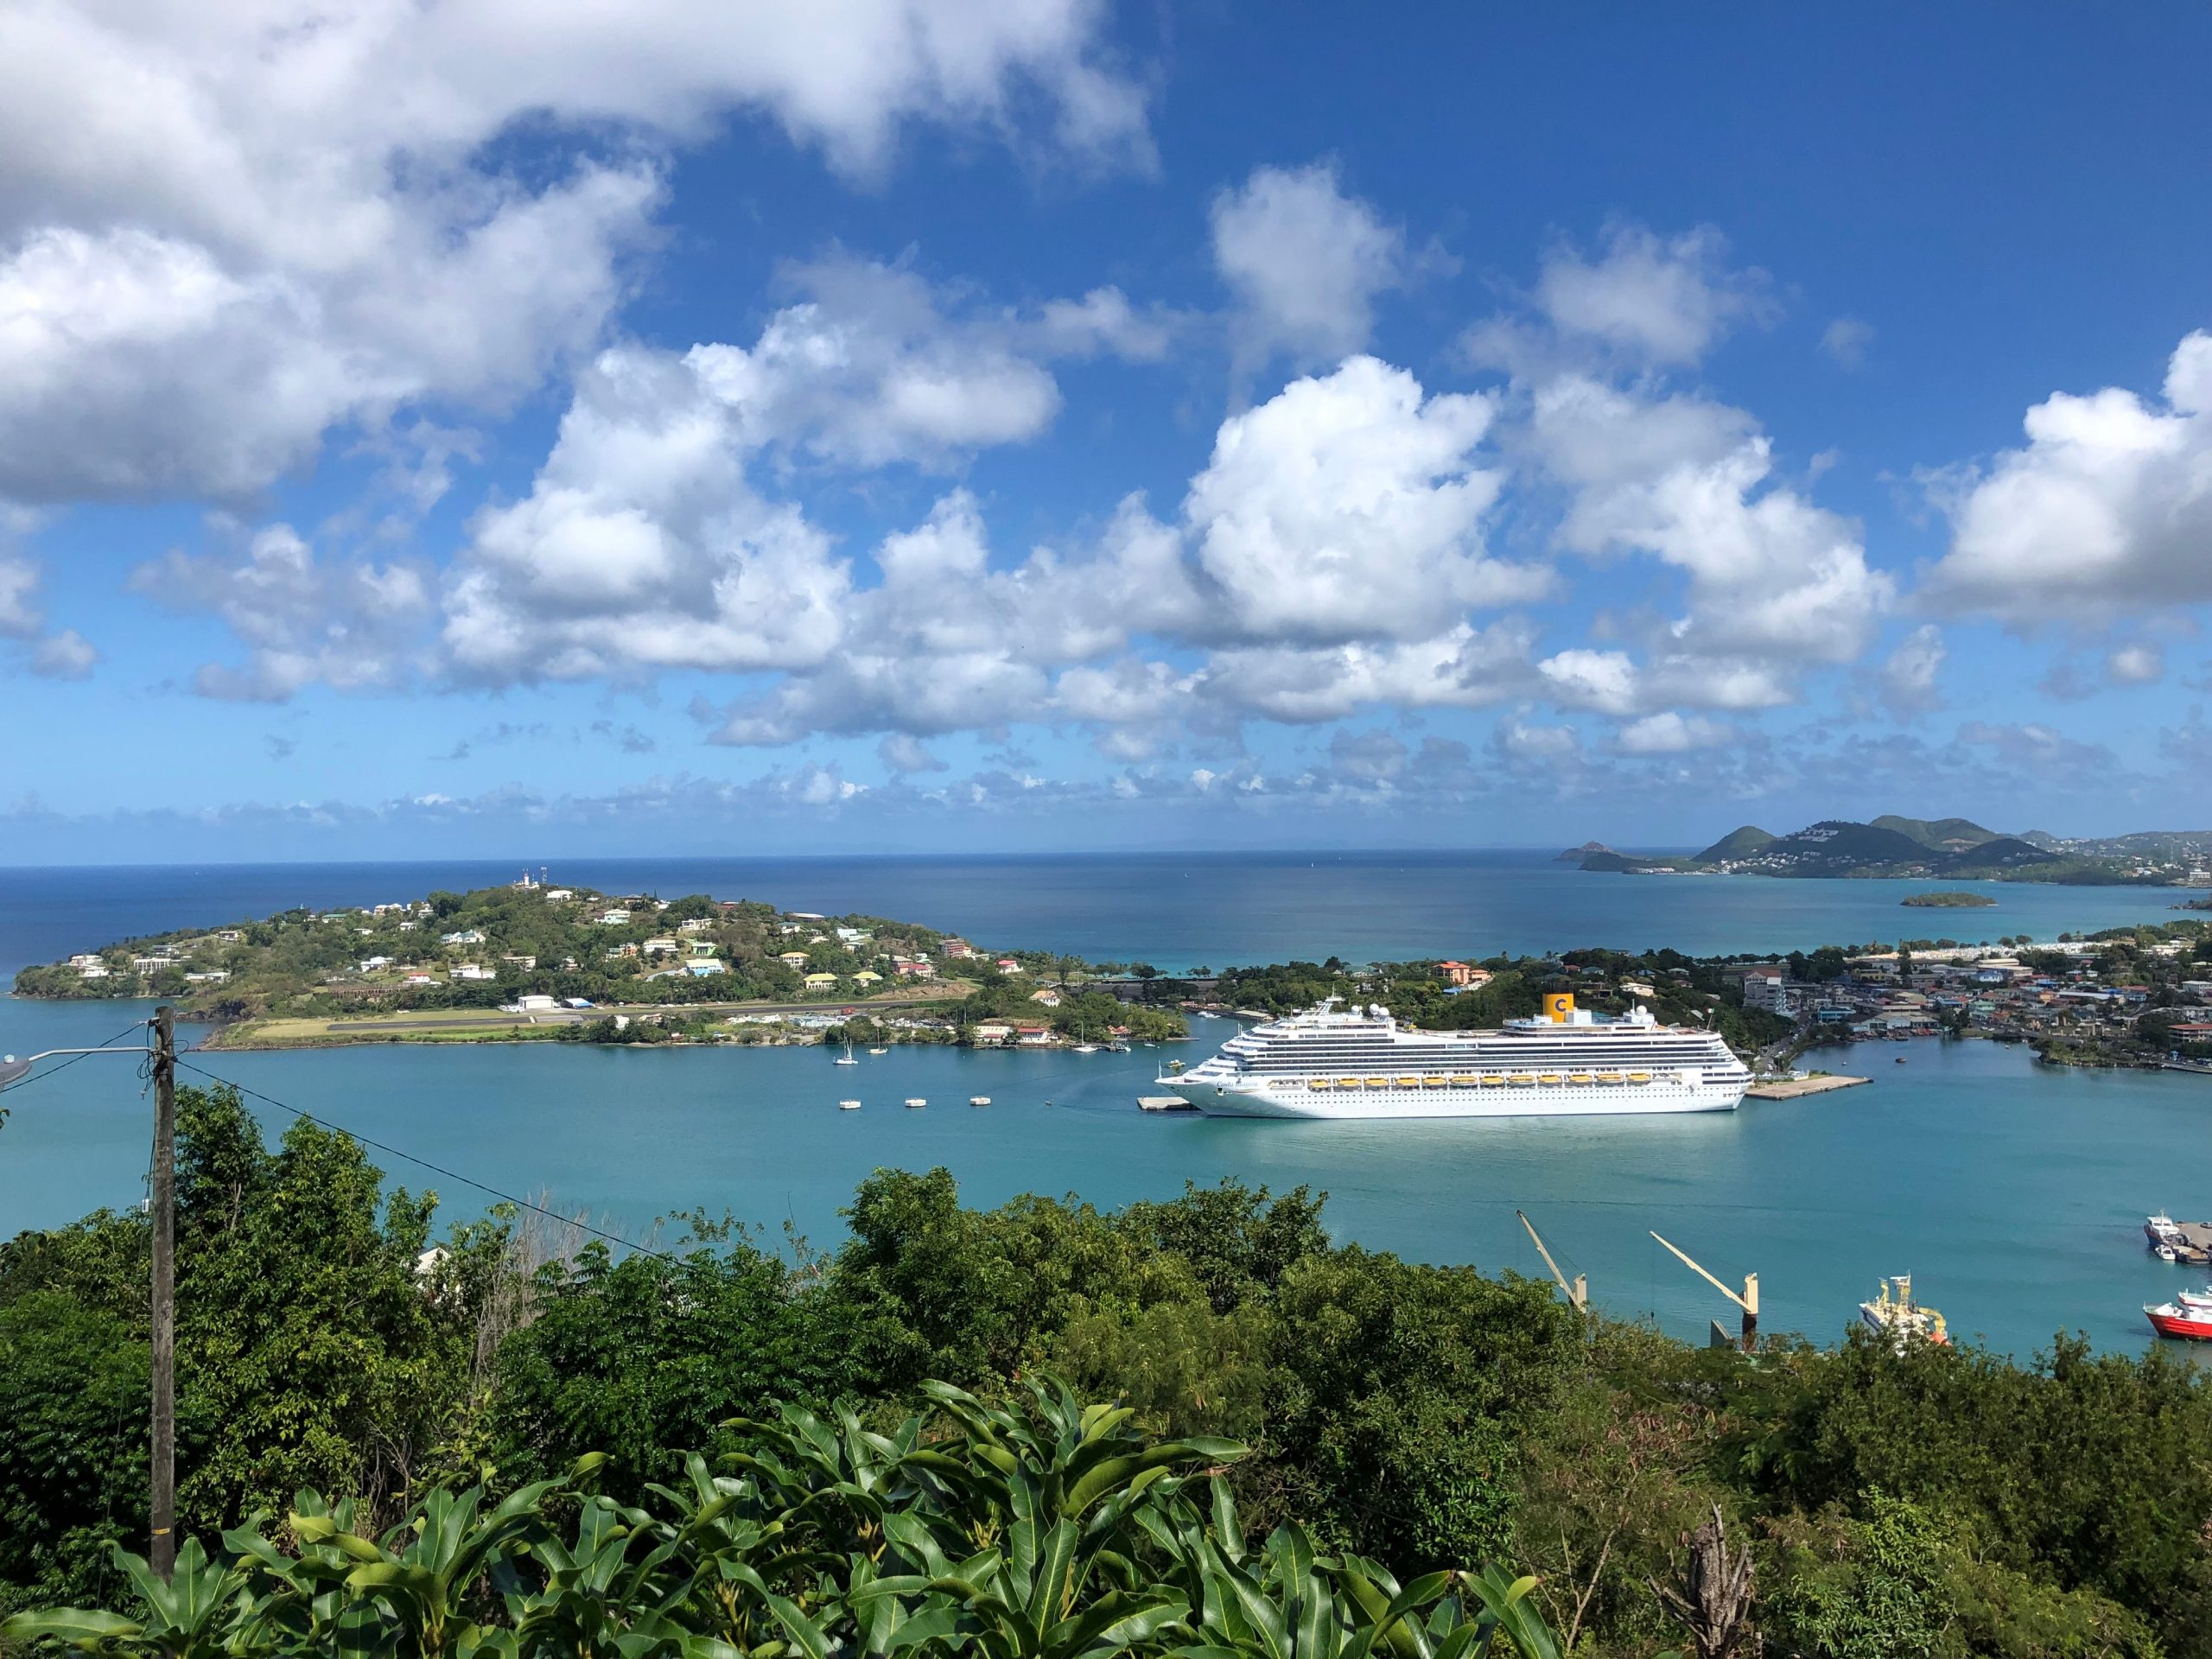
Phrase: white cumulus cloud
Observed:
(2105, 511)
(227, 229)
(1350, 506)
(1304, 262)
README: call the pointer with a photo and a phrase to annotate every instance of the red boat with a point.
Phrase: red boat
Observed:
(2171, 1319)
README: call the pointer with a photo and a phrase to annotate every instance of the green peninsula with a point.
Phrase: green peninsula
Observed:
(535, 961)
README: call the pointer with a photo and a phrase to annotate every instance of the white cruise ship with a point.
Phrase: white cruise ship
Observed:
(1333, 1062)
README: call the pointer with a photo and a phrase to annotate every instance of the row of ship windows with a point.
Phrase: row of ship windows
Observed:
(1495, 1079)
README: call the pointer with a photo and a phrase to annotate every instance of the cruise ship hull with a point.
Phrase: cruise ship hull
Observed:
(1295, 1100)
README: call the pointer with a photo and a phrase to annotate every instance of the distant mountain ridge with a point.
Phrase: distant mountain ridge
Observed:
(1894, 845)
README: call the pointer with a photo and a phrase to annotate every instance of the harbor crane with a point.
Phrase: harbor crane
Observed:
(1577, 1294)
(1749, 1301)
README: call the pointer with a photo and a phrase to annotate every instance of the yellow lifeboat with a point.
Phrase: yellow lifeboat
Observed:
(1639, 1076)
(1434, 1083)
(1547, 1076)
(1521, 1079)
(1409, 1083)
(1463, 1082)
(1318, 1083)
(1579, 1077)
(1609, 1077)
(1348, 1083)
(1493, 1081)
(1378, 1083)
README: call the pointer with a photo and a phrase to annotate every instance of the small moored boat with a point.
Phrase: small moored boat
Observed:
(979, 1100)
(848, 1105)
(917, 1100)
(2173, 1319)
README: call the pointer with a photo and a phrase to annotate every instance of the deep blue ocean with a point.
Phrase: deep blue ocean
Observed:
(2014, 1193)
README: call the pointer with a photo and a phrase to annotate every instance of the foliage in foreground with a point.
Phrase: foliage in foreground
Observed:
(1938, 1501)
(1053, 1530)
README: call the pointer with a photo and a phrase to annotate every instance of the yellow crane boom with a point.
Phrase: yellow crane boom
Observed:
(1749, 1301)
(1578, 1292)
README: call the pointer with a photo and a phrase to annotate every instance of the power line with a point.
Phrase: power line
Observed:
(435, 1169)
(56, 1070)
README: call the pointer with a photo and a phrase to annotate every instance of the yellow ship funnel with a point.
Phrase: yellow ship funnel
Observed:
(1558, 1005)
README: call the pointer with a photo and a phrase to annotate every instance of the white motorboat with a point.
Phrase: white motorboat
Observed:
(979, 1100)
(917, 1100)
(848, 1105)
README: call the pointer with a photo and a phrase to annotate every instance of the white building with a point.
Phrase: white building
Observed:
(1763, 989)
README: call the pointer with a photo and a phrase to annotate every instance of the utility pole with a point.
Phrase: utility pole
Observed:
(162, 1552)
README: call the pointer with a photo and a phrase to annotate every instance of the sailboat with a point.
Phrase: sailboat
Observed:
(847, 1059)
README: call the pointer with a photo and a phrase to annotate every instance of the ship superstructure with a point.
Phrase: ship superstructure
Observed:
(1335, 1061)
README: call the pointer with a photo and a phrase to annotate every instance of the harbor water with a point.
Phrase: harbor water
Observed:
(2013, 1193)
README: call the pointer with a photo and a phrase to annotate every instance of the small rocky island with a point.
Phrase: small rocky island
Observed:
(1947, 900)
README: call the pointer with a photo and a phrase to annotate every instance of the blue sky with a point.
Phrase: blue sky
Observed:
(1051, 424)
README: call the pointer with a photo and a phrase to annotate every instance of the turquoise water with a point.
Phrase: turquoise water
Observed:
(2015, 1195)
(1176, 911)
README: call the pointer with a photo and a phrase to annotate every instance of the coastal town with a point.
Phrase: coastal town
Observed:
(2133, 997)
